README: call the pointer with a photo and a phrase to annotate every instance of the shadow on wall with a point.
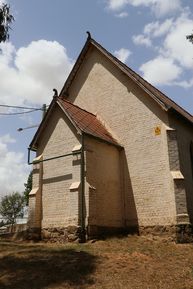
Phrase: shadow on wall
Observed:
(57, 179)
(40, 267)
(131, 219)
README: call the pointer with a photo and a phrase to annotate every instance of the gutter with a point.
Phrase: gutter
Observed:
(52, 158)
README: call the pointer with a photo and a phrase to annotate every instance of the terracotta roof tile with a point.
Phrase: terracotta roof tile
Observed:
(87, 122)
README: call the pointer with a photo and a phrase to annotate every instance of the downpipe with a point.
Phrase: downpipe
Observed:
(82, 233)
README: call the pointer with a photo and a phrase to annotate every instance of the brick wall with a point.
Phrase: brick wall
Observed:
(60, 205)
(35, 197)
(184, 136)
(139, 125)
(103, 179)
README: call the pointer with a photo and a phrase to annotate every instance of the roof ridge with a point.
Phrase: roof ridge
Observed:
(65, 100)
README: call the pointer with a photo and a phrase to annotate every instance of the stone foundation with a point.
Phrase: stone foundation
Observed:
(181, 233)
(34, 234)
(100, 231)
(61, 235)
(184, 233)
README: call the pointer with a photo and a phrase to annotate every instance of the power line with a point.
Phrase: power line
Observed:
(20, 107)
(30, 109)
(19, 113)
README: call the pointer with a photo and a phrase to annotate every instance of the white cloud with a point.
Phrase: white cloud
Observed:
(13, 172)
(123, 54)
(7, 139)
(116, 4)
(185, 84)
(158, 7)
(176, 46)
(157, 29)
(122, 15)
(175, 53)
(160, 71)
(164, 7)
(141, 40)
(29, 74)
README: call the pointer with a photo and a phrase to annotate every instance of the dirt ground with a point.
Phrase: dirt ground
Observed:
(127, 262)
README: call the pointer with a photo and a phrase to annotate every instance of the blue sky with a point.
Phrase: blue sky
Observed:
(47, 36)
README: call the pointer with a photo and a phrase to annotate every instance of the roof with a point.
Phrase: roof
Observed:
(86, 121)
(164, 101)
(81, 119)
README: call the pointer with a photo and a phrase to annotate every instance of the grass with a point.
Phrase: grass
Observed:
(128, 262)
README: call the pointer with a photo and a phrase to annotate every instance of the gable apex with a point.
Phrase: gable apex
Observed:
(82, 120)
(155, 94)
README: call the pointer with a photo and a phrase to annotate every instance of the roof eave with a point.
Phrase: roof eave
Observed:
(75, 68)
(164, 105)
(69, 117)
(80, 59)
(124, 70)
(189, 119)
(33, 144)
(81, 131)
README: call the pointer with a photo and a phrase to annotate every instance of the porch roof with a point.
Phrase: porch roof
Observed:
(86, 121)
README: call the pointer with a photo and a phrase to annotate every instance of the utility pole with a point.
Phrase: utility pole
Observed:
(43, 110)
(43, 114)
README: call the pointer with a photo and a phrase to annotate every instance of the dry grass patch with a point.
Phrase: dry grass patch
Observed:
(128, 262)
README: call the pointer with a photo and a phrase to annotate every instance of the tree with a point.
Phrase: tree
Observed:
(2, 223)
(11, 207)
(5, 20)
(28, 188)
(190, 38)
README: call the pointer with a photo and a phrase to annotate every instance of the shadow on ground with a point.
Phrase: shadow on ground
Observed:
(38, 268)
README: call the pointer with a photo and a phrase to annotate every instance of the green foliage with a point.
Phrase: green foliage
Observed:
(11, 207)
(190, 38)
(2, 223)
(5, 20)
(28, 188)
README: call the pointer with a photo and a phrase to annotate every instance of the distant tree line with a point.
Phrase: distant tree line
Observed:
(12, 205)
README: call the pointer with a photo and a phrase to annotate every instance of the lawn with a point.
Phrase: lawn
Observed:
(128, 262)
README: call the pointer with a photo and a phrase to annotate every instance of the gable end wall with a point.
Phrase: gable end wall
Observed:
(59, 204)
(101, 88)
